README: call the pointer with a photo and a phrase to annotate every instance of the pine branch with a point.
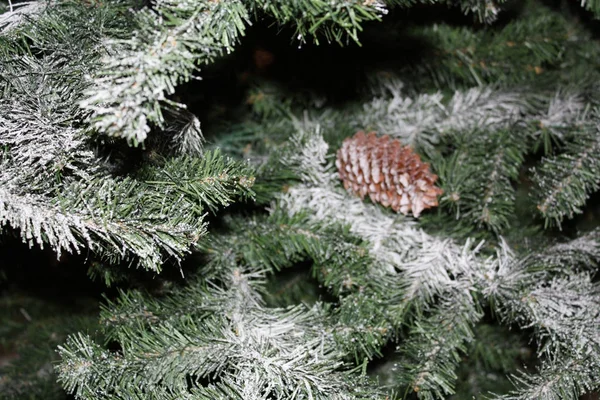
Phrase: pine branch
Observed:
(334, 20)
(130, 89)
(559, 380)
(260, 352)
(422, 120)
(564, 312)
(19, 12)
(477, 179)
(411, 283)
(564, 182)
(363, 323)
(564, 258)
(341, 263)
(213, 180)
(41, 82)
(537, 46)
(431, 353)
(118, 219)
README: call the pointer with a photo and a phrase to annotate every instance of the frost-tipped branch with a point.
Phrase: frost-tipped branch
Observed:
(432, 351)
(142, 221)
(19, 12)
(340, 263)
(561, 379)
(564, 182)
(491, 131)
(565, 315)
(421, 120)
(130, 89)
(263, 352)
(41, 137)
(567, 110)
(119, 220)
(564, 258)
(564, 312)
(41, 81)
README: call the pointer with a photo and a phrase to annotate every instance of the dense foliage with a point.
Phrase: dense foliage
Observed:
(233, 263)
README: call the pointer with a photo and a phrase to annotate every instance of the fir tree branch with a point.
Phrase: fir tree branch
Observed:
(19, 12)
(431, 352)
(363, 323)
(560, 380)
(477, 179)
(565, 315)
(564, 182)
(422, 120)
(283, 353)
(564, 258)
(564, 312)
(536, 46)
(567, 111)
(130, 89)
(334, 20)
(509, 120)
(30, 130)
(340, 264)
(41, 83)
(212, 180)
(119, 220)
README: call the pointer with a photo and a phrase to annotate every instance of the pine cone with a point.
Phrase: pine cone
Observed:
(391, 174)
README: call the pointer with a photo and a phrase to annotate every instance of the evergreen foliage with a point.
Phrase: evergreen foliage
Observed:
(564, 180)
(103, 156)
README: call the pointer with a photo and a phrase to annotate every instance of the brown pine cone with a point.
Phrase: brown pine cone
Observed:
(391, 174)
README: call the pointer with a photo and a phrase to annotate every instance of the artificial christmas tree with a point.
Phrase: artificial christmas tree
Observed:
(230, 262)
